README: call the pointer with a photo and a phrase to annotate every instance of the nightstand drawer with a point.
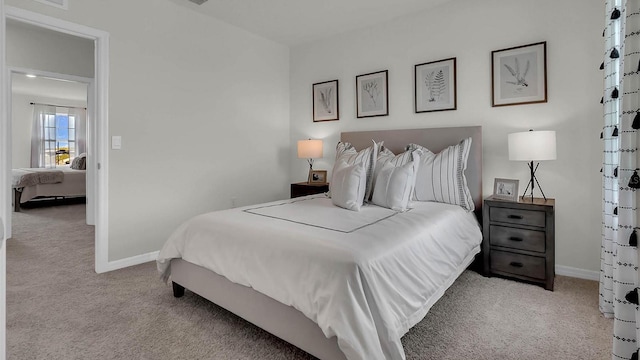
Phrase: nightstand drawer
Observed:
(517, 216)
(518, 264)
(516, 238)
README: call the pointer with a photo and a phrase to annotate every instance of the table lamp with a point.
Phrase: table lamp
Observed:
(309, 149)
(532, 146)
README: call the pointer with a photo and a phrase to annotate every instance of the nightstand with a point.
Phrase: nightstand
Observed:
(519, 239)
(304, 189)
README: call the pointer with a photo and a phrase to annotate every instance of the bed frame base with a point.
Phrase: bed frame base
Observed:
(178, 290)
(17, 194)
(276, 318)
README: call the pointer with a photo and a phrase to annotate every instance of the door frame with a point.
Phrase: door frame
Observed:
(97, 151)
(99, 92)
(4, 176)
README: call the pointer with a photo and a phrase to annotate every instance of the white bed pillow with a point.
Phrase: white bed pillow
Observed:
(348, 185)
(386, 156)
(345, 151)
(441, 177)
(394, 184)
(79, 162)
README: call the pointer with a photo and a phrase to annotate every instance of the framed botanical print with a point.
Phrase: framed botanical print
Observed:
(325, 101)
(372, 94)
(435, 86)
(519, 75)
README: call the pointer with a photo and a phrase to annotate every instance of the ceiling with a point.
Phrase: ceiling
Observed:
(48, 87)
(294, 22)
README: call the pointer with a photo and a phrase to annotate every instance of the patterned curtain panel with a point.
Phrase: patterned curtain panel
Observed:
(619, 258)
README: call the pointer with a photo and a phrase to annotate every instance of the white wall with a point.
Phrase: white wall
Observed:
(470, 30)
(21, 119)
(22, 122)
(202, 108)
(32, 47)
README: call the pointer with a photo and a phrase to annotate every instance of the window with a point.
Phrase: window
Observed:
(59, 137)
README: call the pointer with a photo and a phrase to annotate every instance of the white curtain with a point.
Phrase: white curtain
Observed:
(619, 257)
(41, 113)
(80, 115)
(44, 120)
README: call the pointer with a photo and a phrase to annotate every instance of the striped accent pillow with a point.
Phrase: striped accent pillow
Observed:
(441, 177)
(345, 151)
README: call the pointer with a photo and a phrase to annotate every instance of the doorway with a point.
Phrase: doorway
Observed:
(47, 67)
(98, 95)
(97, 151)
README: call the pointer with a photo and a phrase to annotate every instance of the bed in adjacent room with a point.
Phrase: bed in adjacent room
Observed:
(31, 183)
(343, 284)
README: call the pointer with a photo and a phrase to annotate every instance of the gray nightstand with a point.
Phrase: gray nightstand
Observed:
(304, 189)
(519, 239)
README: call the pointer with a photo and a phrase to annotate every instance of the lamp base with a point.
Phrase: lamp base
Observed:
(532, 182)
(310, 171)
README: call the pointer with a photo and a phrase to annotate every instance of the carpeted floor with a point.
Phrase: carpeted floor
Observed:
(59, 308)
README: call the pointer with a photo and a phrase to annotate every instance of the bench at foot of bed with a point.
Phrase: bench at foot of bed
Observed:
(17, 194)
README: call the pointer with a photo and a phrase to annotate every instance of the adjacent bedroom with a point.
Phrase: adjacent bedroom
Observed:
(49, 140)
(334, 180)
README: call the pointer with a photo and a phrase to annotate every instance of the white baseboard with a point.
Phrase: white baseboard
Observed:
(130, 261)
(577, 273)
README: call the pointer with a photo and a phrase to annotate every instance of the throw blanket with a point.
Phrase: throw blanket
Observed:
(35, 176)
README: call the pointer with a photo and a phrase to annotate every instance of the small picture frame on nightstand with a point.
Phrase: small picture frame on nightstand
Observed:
(318, 177)
(505, 189)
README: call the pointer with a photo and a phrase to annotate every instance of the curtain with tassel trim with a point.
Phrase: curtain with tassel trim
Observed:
(619, 257)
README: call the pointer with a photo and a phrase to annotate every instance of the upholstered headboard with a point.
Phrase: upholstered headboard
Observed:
(434, 139)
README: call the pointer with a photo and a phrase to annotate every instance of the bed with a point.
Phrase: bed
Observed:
(336, 283)
(31, 183)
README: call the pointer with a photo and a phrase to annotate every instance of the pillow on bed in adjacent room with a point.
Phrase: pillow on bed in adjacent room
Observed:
(441, 177)
(395, 182)
(345, 151)
(348, 184)
(79, 162)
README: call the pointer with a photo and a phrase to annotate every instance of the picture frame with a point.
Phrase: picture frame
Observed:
(505, 189)
(325, 101)
(318, 177)
(435, 86)
(372, 94)
(519, 75)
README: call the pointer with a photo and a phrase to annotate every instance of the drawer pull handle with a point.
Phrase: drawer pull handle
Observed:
(516, 264)
(513, 238)
(519, 217)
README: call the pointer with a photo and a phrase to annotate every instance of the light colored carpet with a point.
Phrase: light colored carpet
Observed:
(59, 308)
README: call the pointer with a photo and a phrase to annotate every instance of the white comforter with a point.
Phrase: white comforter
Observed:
(365, 277)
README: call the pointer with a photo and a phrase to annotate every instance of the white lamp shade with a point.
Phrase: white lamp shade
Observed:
(532, 146)
(309, 149)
